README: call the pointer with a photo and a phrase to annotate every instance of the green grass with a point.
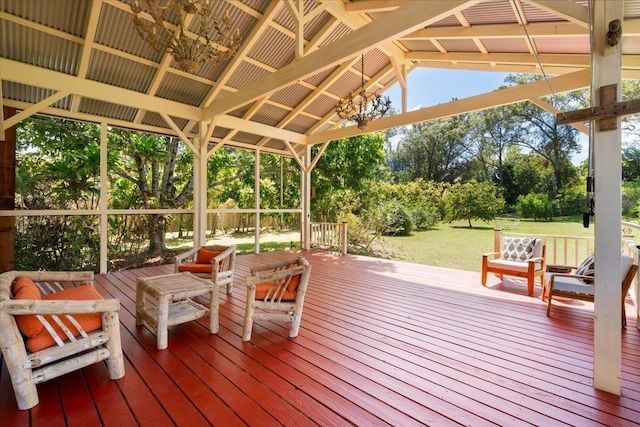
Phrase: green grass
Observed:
(457, 246)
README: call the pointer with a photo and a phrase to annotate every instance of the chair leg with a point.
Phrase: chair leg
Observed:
(115, 361)
(248, 315)
(549, 298)
(484, 273)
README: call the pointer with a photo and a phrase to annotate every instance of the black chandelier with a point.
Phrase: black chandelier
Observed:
(362, 106)
(215, 40)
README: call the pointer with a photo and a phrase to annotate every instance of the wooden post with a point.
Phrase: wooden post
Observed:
(7, 193)
(345, 244)
(607, 360)
(497, 237)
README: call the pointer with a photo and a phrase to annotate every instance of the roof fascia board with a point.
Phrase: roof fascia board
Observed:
(564, 83)
(404, 20)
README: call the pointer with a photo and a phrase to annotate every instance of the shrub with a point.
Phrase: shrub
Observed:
(536, 206)
(392, 218)
(425, 216)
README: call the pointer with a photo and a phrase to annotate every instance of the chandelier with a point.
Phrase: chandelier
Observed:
(214, 41)
(362, 106)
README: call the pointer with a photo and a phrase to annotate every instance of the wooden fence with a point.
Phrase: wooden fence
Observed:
(329, 236)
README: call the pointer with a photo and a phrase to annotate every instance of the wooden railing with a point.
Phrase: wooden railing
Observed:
(329, 236)
(560, 250)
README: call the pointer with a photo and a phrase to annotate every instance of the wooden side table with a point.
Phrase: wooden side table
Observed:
(175, 306)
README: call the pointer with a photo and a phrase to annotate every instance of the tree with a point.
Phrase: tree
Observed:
(345, 174)
(472, 200)
(555, 143)
(434, 151)
(159, 170)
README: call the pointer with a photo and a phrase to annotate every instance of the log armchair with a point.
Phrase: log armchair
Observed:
(47, 331)
(581, 285)
(276, 292)
(214, 262)
(518, 256)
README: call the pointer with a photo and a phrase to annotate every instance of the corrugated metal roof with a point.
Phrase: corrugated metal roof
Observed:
(33, 47)
(246, 74)
(533, 14)
(115, 111)
(577, 44)
(493, 12)
(291, 95)
(182, 89)
(270, 114)
(321, 105)
(514, 45)
(115, 29)
(301, 124)
(120, 72)
(69, 16)
(265, 52)
(459, 45)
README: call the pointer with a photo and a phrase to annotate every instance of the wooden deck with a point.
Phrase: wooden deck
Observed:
(381, 343)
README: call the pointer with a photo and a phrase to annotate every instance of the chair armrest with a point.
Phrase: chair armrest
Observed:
(59, 276)
(187, 254)
(19, 307)
(491, 254)
(557, 268)
(571, 276)
(224, 254)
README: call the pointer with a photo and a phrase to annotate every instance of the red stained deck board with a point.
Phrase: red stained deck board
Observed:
(380, 342)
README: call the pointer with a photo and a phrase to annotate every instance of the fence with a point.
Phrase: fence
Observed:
(329, 236)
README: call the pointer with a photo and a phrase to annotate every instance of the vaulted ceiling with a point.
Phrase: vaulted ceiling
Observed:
(84, 60)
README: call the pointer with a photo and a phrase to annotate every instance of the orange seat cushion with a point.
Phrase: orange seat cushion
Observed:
(24, 288)
(88, 322)
(204, 256)
(195, 268)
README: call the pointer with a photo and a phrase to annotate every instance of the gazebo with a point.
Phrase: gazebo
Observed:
(296, 60)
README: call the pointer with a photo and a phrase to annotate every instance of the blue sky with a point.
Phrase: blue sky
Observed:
(430, 86)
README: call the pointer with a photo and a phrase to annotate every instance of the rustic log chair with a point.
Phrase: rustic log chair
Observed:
(582, 287)
(47, 332)
(502, 263)
(277, 291)
(214, 262)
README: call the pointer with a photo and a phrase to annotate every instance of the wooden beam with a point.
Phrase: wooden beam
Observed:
(564, 83)
(404, 20)
(599, 112)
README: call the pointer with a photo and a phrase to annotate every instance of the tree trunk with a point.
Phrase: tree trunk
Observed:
(156, 230)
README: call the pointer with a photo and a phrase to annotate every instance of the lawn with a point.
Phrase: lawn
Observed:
(457, 246)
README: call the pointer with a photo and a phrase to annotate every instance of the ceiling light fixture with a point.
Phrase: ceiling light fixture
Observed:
(213, 40)
(362, 106)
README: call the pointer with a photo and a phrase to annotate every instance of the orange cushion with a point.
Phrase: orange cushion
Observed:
(204, 256)
(195, 268)
(24, 288)
(88, 322)
(262, 288)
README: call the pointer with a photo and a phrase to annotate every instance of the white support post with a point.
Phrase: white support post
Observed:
(257, 203)
(607, 361)
(305, 187)
(200, 188)
(104, 187)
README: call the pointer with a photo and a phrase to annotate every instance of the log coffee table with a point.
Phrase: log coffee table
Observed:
(175, 306)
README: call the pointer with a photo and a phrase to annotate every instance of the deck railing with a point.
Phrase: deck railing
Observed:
(560, 250)
(329, 236)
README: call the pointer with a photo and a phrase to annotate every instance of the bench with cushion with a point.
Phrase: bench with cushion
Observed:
(47, 331)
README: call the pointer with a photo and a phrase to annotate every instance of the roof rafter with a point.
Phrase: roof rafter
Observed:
(401, 21)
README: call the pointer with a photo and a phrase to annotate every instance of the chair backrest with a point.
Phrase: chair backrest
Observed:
(282, 280)
(521, 248)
